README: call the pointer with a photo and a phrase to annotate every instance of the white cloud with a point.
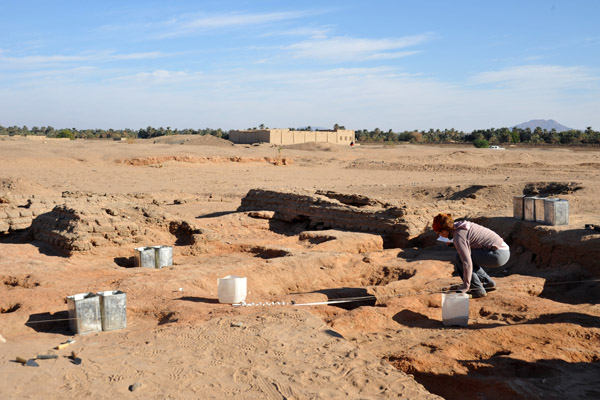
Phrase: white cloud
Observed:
(537, 76)
(315, 33)
(355, 97)
(85, 57)
(347, 48)
(163, 76)
(53, 73)
(138, 56)
(391, 55)
(189, 25)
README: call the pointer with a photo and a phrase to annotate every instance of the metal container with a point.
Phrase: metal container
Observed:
(529, 208)
(113, 310)
(163, 256)
(539, 210)
(145, 257)
(518, 207)
(556, 212)
(84, 313)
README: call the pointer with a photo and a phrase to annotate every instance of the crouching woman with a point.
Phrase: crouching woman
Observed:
(476, 247)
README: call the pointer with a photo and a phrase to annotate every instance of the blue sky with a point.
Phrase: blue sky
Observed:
(398, 65)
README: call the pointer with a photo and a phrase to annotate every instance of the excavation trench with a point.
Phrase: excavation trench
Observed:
(545, 265)
(325, 265)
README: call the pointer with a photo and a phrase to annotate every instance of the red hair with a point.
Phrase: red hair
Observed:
(443, 222)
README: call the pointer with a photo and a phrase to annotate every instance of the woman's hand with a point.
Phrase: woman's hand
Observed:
(462, 288)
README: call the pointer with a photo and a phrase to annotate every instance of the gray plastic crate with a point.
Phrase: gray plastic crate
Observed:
(113, 310)
(84, 313)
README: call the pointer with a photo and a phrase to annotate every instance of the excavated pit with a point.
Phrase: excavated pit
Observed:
(387, 275)
(24, 281)
(349, 256)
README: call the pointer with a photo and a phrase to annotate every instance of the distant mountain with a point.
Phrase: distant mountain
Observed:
(547, 124)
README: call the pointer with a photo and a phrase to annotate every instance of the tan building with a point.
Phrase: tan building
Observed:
(286, 136)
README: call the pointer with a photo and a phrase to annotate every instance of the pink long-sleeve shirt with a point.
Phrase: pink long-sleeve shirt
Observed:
(469, 235)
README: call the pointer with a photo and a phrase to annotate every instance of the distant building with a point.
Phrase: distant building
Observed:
(286, 136)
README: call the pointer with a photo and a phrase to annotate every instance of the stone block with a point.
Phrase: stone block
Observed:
(13, 213)
(25, 212)
(18, 227)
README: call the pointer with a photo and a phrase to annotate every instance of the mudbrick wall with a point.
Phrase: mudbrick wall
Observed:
(18, 212)
(74, 228)
(331, 210)
(82, 221)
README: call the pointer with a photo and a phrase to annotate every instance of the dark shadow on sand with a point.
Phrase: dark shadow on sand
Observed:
(350, 294)
(25, 236)
(216, 214)
(199, 299)
(500, 377)
(416, 320)
(50, 323)
(333, 333)
(290, 228)
(124, 262)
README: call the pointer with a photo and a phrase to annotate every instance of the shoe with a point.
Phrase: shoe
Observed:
(478, 293)
(489, 286)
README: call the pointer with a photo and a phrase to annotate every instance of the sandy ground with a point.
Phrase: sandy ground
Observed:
(537, 336)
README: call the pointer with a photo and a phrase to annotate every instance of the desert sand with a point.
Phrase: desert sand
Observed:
(536, 337)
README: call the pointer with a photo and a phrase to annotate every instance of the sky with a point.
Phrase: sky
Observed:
(236, 64)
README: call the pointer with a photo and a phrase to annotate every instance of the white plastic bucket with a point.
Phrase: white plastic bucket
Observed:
(231, 289)
(455, 309)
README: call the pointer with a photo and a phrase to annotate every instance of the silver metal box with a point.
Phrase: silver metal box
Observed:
(518, 207)
(556, 212)
(145, 257)
(539, 210)
(113, 310)
(84, 313)
(163, 256)
(529, 209)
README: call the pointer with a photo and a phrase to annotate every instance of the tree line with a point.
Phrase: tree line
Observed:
(479, 137)
(483, 137)
(74, 133)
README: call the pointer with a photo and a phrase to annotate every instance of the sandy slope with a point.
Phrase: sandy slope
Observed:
(535, 337)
